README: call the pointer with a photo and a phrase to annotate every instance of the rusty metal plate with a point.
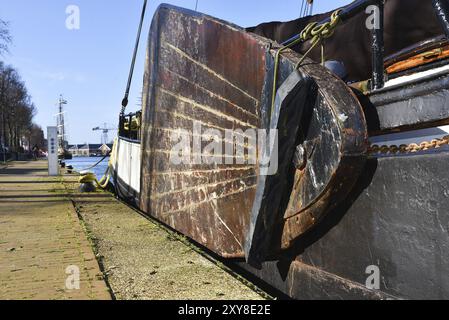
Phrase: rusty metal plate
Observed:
(201, 70)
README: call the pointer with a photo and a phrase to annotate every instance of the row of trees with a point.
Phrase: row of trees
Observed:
(18, 133)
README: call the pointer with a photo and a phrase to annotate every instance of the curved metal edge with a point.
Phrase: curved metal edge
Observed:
(291, 100)
(353, 154)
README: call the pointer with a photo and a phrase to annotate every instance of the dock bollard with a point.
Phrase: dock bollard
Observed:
(88, 181)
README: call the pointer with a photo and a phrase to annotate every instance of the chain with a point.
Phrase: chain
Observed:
(376, 150)
(317, 33)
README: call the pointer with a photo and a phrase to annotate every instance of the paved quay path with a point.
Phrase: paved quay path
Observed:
(41, 234)
(41, 239)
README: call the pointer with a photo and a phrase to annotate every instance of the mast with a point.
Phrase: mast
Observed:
(61, 124)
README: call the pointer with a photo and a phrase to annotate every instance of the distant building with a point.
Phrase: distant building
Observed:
(105, 149)
(79, 150)
(89, 150)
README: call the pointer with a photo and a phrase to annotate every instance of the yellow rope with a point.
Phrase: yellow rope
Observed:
(88, 178)
(104, 181)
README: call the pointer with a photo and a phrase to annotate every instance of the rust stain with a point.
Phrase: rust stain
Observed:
(196, 204)
(206, 108)
(205, 67)
(207, 171)
(184, 190)
(212, 94)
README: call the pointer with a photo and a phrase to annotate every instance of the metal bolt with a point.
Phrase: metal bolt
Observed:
(299, 159)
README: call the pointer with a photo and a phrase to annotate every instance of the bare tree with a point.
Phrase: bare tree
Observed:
(17, 130)
(36, 137)
(16, 110)
(5, 37)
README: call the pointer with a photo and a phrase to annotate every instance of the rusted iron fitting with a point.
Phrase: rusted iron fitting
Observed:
(300, 159)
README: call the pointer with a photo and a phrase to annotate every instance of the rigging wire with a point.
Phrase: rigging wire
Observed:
(306, 8)
(311, 9)
(133, 62)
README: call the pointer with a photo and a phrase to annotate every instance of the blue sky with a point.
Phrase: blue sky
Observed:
(90, 66)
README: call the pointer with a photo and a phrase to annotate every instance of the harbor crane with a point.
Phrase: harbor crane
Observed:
(105, 131)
